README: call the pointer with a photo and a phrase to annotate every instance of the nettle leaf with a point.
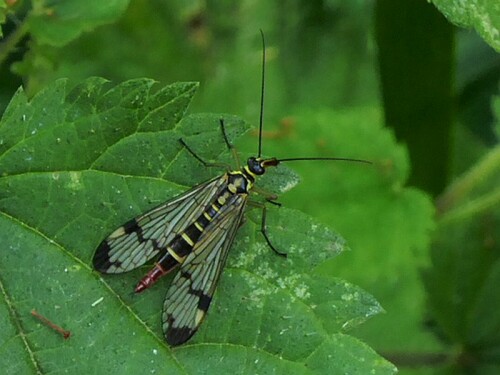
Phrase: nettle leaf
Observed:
(462, 286)
(3, 12)
(58, 23)
(483, 16)
(76, 163)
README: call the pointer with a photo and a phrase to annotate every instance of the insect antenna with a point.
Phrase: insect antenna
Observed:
(275, 161)
(336, 159)
(261, 119)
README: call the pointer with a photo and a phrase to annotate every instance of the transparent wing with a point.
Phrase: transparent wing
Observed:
(142, 238)
(190, 294)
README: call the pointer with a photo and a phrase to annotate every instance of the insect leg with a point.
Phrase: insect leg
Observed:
(263, 230)
(263, 226)
(226, 139)
(270, 197)
(205, 163)
(272, 201)
(229, 145)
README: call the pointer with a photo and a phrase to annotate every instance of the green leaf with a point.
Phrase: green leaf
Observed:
(462, 287)
(482, 15)
(58, 23)
(3, 11)
(387, 225)
(88, 121)
(462, 284)
(78, 162)
(409, 84)
(496, 110)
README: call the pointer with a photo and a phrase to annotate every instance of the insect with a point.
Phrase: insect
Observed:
(194, 231)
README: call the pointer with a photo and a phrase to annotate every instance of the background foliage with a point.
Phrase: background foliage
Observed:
(412, 86)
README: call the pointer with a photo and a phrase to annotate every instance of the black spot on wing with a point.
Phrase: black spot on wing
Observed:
(101, 259)
(178, 336)
(132, 226)
(204, 302)
(203, 299)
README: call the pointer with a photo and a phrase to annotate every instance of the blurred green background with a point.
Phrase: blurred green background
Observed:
(395, 82)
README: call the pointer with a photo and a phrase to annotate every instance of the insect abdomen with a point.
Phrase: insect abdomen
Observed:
(182, 244)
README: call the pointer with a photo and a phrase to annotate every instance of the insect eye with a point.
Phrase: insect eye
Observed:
(255, 166)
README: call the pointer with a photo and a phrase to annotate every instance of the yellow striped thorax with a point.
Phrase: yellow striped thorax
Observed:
(240, 182)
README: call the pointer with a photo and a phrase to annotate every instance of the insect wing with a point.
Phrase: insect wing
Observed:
(190, 294)
(142, 238)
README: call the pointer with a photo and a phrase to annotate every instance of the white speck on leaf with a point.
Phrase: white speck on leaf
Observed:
(266, 272)
(301, 291)
(350, 296)
(96, 302)
(258, 296)
(247, 258)
(75, 182)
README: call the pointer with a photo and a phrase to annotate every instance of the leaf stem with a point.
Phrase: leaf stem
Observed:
(9, 43)
(472, 208)
(456, 192)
